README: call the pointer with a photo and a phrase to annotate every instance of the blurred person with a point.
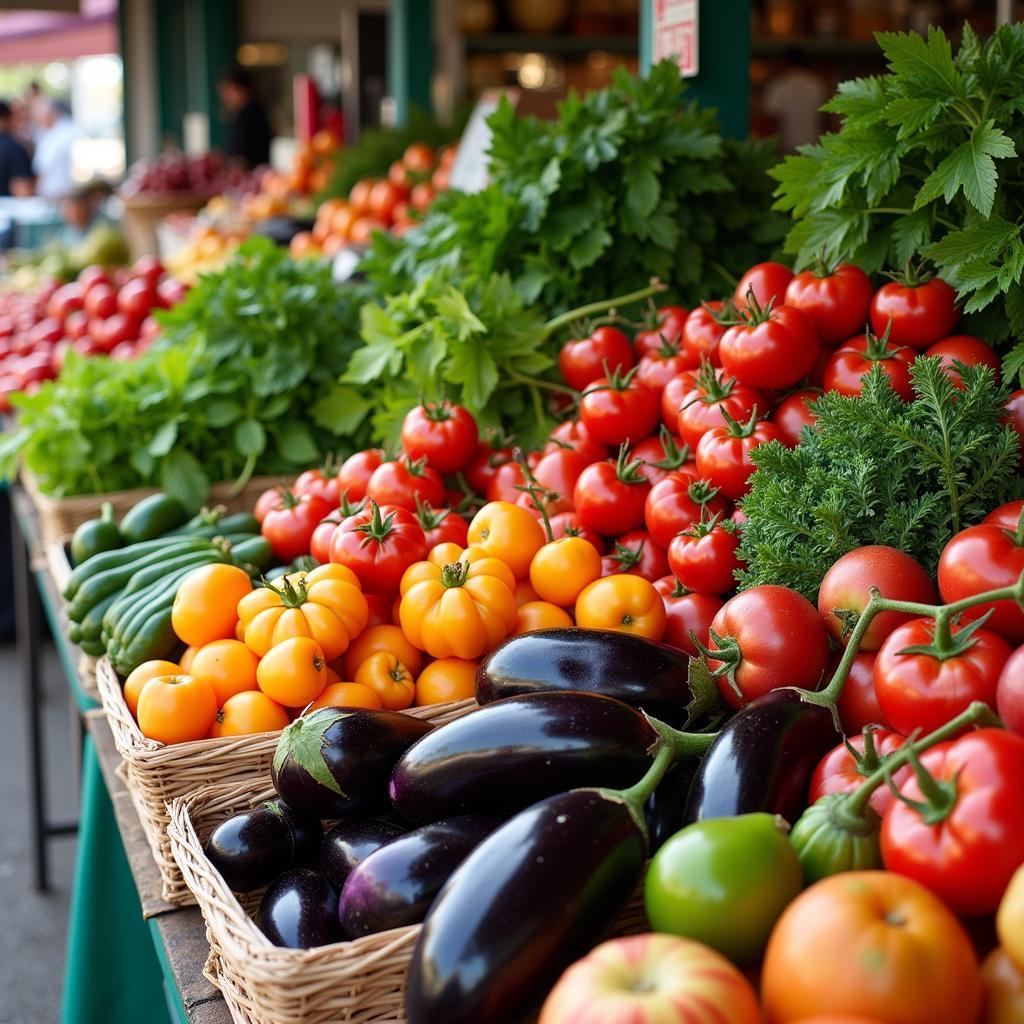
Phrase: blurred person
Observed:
(15, 166)
(248, 128)
(52, 161)
(793, 98)
(80, 211)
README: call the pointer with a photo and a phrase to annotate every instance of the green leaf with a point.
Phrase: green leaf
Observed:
(221, 412)
(473, 367)
(163, 440)
(295, 443)
(587, 249)
(303, 741)
(182, 477)
(1013, 363)
(909, 234)
(250, 437)
(642, 187)
(340, 409)
(927, 64)
(704, 695)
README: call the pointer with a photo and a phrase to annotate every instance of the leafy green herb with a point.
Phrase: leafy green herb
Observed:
(928, 163)
(878, 470)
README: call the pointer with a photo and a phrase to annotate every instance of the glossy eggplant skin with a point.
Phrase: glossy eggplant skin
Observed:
(665, 809)
(307, 833)
(251, 849)
(529, 900)
(394, 886)
(352, 841)
(517, 751)
(763, 759)
(629, 668)
(352, 750)
(299, 910)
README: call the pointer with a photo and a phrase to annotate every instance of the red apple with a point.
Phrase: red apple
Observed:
(651, 979)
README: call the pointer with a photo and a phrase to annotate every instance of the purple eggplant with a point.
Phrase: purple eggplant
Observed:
(299, 910)
(336, 762)
(352, 841)
(763, 759)
(395, 885)
(665, 809)
(517, 751)
(620, 665)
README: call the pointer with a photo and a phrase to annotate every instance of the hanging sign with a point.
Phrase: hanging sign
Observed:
(675, 34)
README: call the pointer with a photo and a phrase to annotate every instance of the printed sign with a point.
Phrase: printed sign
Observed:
(675, 34)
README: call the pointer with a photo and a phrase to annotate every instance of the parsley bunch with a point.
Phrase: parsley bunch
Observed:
(878, 470)
(927, 164)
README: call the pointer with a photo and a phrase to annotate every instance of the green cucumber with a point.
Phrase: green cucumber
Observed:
(109, 560)
(253, 551)
(146, 575)
(240, 522)
(74, 633)
(153, 639)
(152, 517)
(94, 648)
(89, 628)
(96, 535)
(128, 604)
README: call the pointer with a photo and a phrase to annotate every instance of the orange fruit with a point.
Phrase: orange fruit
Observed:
(137, 680)
(205, 607)
(346, 695)
(382, 638)
(228, 666)
(249, 712)
(293, 672)
(446, 679)
(176, 709)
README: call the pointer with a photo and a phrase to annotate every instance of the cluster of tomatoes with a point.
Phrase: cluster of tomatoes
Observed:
(386, 204)
(103, 312)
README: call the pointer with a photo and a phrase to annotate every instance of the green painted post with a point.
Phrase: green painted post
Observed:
(410, 55)
(723, 81)
(219, 47)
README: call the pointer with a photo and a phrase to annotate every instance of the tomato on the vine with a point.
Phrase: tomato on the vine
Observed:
(924, 677)
(846, 766)
(443, 434)
(506, 482)
(764, 638)
(686, 613)
(575, 435)
(794, 413)
(1007, 516)
(1010, 692)
(662, 454)
(569, 524)
(356, 471)
(768, 281)
(665, 326)
(837, 303)
(556, 474)
(289, 524)
(703, 558)
(703, 405)
(661, 364)
(858, 704)
(854, 359)
(605, 350)
(963, 348)
(441, 525)
(723, 453)
(636, 553)
(619, 408)
(403, 482)
(322, 482)
(609, 496)
(917, 315)
(703, 331)
(677, 502)
(378, 545)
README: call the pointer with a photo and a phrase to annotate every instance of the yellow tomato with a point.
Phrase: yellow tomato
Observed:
(1010, 919)
(389, 679)
(525, 592)
(561, 569)
(293, 672)
(463, 612)
(383, 637)
(541, 615)
(508, 532)
(325, 604)
(1003, 983)
(228, 666)
(446, 679)
(627, 604)
(448, 554)
(148, 670)
(204, 606)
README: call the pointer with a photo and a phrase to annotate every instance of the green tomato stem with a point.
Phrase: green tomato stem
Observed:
(600, 306)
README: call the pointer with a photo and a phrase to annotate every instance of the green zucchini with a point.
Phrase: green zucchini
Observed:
(129, 604)
(240, 522)
(112, 560)
(96, 535)
(94, 648)
(89, 628)
(153, 639)
(253, 551)
(152, 517)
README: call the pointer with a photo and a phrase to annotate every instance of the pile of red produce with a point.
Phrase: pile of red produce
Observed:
(205, 176)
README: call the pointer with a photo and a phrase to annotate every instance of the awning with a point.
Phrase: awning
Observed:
(38, 37)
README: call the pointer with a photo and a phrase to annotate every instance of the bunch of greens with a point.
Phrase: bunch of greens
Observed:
(627, 184)
(243, 380)
(878, 470)
(927, 164)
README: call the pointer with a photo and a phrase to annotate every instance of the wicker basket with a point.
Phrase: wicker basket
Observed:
(143, 214)
(357, 981)
(155, 772)
(59, 517)
(57, 565)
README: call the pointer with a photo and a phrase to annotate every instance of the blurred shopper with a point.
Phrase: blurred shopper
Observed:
(53, 157)
(15, 166)
(248, 129)
(793, 98)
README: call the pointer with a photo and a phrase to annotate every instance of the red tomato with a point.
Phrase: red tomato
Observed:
(609, 496)
(769, 282)
(171, 292)
(115, 330)
(637, 554)
(480, 469)
(619, 409)
(843, 769)
(662, 364)
(444, 434)
(556, 473)
(677, 503)
(846, 589)
(964, 348)
(1014, 416)
(76, 324)
(574, 434)
(723, 454)
(568, 524)
(703, 558)
(703, 331)
(921, 691)
(661, 455)
(672, 398)
(65, 300)
(982, 558)
(855, 359)
(419, 157)
(1007, 516)
(404, 481)
(857, 704)
(968, 856)
(269, 499)
(505, 483)
(148, 267)
(771, 349)
(685, 613)
(583, 360)
(100, 301)
(320, 542)
(422, 196)
(137, 298)
(836, 303)
(769, 637)
(1010, 692)
(792, 414)
(441, 526)
(666, 326)
(289, 524)
(324, 482)
(48, 329)
(383, 198)
(919, 314)
(702, 407)
(378, 545)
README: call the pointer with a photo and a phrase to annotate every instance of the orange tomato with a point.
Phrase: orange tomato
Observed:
(418, 157)
(176, 709)
(363, 228)
(842, 1018)
(185, 661)
(460, 611)
(509, 533)
(346, 695)
(147, 670)
(1004, 989)
(446, 679)
(444, 554)
(382, 638)
(293, 672)
(325, 604)
(562, 568)
(871, 943)
(249, 712)
(205, 606)
(359, 197)
(342, 220)
(627, 604)
(389, 679)
(323, 142)
(541, 615)
(525, 592)
(228, 666)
